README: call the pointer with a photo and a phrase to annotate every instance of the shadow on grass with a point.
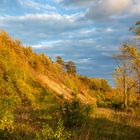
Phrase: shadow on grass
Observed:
(95, 129)
(103, 129)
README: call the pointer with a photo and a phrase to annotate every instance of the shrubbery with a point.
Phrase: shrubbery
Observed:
(117, 105)
(74, 113)
(59, 133)
(114, 104)
(7, 122)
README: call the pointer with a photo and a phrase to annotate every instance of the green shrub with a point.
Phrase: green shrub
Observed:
(114, 104)
(48, 133)
(101, 103)
(74, 113)
(7, 107)
(134, 104)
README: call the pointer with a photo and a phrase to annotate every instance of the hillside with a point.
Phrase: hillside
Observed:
(32, 83)
(19, 64)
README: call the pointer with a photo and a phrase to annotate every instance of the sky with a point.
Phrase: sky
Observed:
(88, 32)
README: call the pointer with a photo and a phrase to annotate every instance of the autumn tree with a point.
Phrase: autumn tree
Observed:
(134, 56)
(104, 85)
(60, 61)
(127, 74)
(71, 67)
(136, 28)
(124, 75)
(134, 52)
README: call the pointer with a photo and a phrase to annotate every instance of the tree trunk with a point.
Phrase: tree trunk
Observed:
(125, 98)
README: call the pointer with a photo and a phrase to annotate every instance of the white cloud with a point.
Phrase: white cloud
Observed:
(35, 5)
(84, 61)
(39, 18)
(83, 3)
(106, 8)
(47, 18)
(46, 44)
(135, 9)
(41, 26)
(58, 1)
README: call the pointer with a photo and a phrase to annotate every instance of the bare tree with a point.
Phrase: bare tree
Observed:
(124, 75)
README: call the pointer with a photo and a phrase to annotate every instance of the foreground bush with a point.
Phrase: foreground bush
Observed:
(75, 114)
(59, 133)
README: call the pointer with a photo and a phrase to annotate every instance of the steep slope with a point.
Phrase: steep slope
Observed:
(21, 64)
(63, 91)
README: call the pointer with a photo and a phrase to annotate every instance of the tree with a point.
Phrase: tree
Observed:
(134, 56)
(71, 67)
(105, 86)
(60, 61)
(127, 74)
(124, 75)
(134, 52)
(137, 28)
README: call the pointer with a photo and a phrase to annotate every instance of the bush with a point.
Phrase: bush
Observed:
(114, 104)
(117, 105)
(101, 103)
(75, 114)
(7, 107)
(58, 133)
(134, 104)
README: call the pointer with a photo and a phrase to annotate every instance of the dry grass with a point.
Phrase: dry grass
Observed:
(106, 124)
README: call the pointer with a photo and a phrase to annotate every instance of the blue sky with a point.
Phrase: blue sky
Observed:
(88, 32)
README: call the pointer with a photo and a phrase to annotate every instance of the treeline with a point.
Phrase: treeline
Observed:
(69, 66)
(127, 72)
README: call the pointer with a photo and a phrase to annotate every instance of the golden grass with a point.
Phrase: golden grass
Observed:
(106, 124)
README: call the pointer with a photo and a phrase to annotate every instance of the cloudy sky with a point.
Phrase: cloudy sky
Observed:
(88, 32)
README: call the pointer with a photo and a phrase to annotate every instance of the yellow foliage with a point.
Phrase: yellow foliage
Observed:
(7, 123)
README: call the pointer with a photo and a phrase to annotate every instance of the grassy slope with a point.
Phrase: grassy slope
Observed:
(22, 64)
